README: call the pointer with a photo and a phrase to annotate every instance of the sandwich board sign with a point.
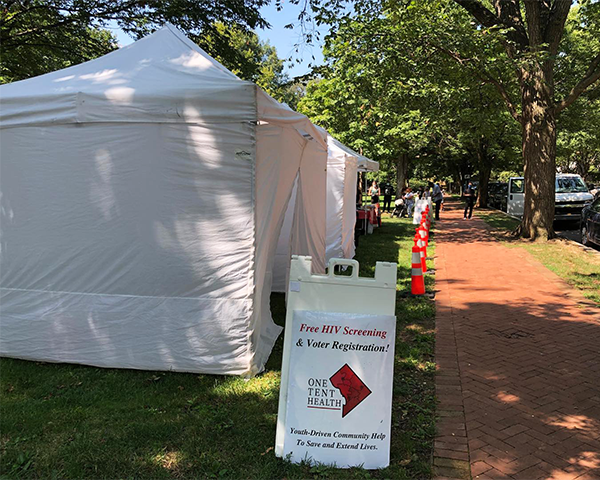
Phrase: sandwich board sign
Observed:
(336, 381)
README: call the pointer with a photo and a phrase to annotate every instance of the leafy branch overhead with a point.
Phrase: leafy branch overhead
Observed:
(540, 56)
(37, 36)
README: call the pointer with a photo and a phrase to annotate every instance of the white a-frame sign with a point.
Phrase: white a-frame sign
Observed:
(336, 380)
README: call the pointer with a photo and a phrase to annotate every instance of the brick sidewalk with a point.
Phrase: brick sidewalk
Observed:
(518, 379)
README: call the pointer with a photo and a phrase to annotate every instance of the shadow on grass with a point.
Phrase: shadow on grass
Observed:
(69, 421)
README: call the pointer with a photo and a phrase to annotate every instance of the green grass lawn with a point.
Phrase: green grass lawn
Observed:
(67, 421)
(578, 267)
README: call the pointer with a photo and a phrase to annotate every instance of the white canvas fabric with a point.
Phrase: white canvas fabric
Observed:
(283, 253)
(341, 200)
(142, 198)
(367, 165)
(340, 210)
(155, 79)
(349, 208)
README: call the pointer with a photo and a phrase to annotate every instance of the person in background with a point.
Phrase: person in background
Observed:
(437, 197)
(388, 191)
(426, 191)
(470, 196)
(375, 193)
(409, 198)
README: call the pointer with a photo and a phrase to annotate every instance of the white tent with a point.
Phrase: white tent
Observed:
(342, 165)
(367, 165)
(142, 198)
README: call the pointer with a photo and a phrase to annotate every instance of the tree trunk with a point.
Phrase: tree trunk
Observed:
(401, 171)
(583, 165)
(484, 179)
(539, 152)
(457, 184)
(485, 170)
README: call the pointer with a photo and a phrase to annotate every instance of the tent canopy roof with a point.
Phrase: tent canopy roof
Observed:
(367, 165)
(364, 164)
(162, 78)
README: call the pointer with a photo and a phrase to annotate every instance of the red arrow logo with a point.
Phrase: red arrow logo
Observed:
(352, 388)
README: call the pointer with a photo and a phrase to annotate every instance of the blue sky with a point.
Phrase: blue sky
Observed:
(283, 39)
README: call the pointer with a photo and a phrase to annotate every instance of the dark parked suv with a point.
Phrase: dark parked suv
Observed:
(497, 195)
(590, 223)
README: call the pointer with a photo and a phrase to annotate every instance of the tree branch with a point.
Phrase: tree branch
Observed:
(592, 75)
(553, 31)
(484, 77)
(488, 19)
(506, 97)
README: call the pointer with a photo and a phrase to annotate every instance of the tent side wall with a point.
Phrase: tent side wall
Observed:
(309, 227)
(304, 230)
(349, 213)
(128, 245)
(336, 166)
(133, 202)
(275, 186)
(283, 252)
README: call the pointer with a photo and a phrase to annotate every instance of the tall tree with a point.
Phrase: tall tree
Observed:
(66, 30)
(382, 94)
(529, 34)
(365, 96)
(578, 144)
(25, 62)
(516, 46)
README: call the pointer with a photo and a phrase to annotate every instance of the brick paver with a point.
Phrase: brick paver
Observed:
(518, 380)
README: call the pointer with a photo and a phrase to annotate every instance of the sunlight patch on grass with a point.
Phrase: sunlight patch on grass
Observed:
(168, 460)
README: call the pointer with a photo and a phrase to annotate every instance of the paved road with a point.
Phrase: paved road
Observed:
(572, 232)
(569, 230)
(517, 363)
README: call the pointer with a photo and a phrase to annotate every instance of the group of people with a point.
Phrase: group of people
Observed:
(405, 200)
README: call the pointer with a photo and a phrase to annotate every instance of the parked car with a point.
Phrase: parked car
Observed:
(590, 223)
(497, 195)
(571, 196)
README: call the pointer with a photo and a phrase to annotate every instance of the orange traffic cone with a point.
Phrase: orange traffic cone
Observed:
(425, 219)
(421, 245)
(417, 283)
(426, 226)
(424, 239)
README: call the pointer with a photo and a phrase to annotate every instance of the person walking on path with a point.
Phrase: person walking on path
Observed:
(388, 190)
(437, 197)
(470, 196)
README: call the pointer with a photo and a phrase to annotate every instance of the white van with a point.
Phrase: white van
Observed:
(571, 196)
